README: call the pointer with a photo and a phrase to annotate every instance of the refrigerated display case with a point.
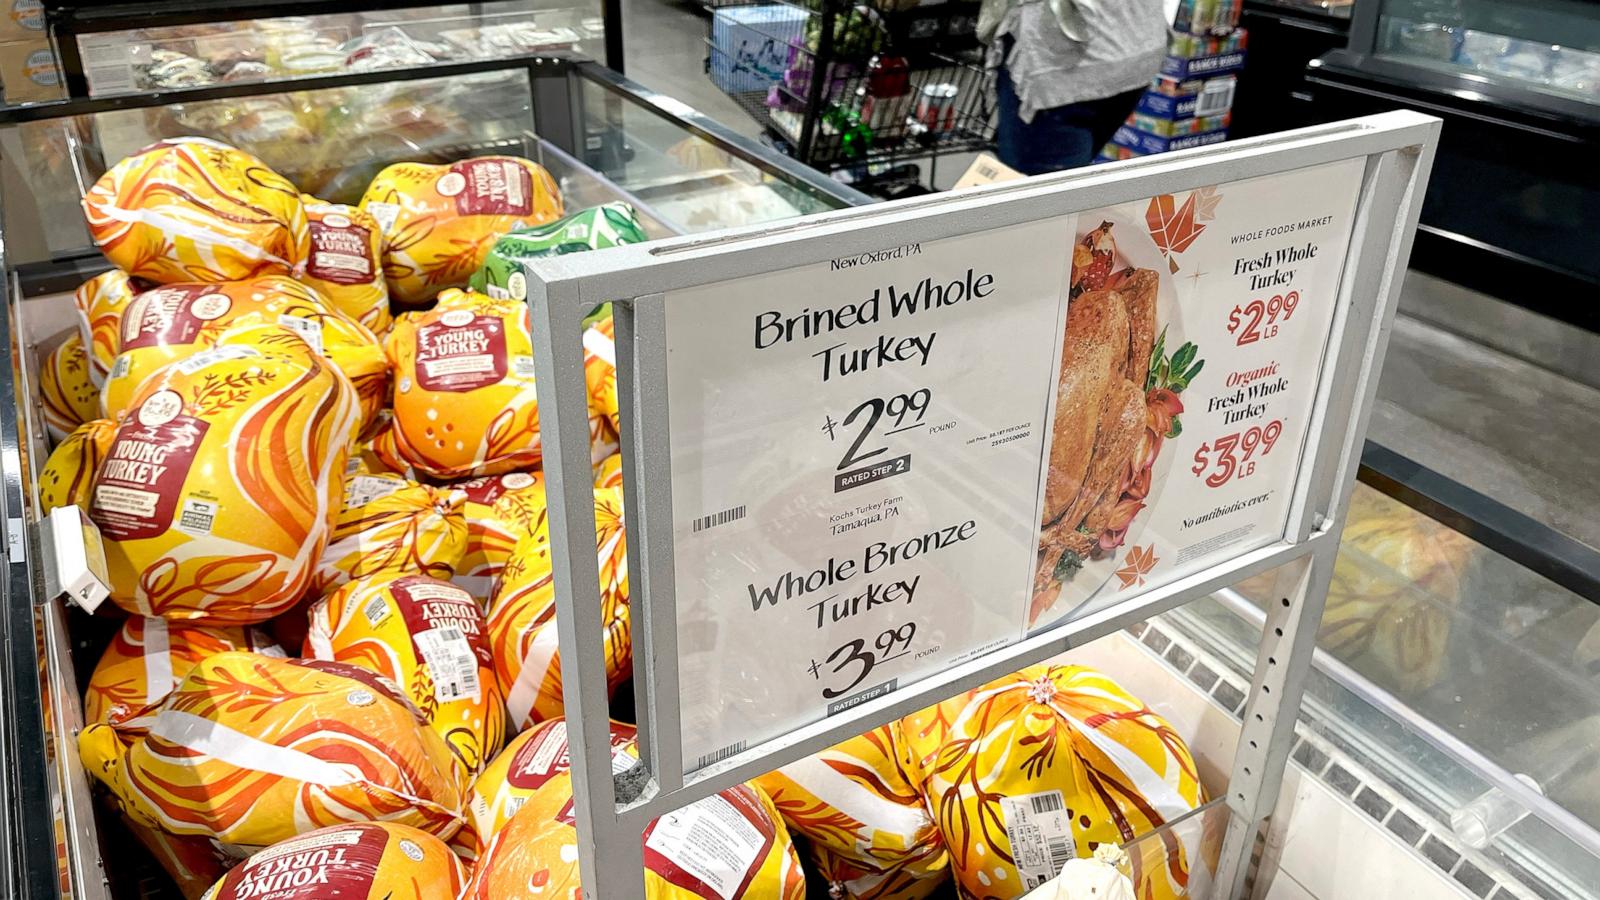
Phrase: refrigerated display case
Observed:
(109, 49)
(602, 137)
(1512, 209)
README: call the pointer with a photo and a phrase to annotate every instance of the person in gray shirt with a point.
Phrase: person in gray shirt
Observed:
(1070, 71)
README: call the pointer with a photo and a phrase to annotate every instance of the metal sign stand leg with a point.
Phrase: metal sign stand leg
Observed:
(1294, 613)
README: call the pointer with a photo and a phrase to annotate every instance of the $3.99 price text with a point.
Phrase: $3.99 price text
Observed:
(1259, 319)
(855, 660)
(1234, 455)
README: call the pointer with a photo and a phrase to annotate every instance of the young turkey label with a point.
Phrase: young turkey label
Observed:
(446, 629)
(172, 315)
(342, 863)
(461, 352)
(341, 251)
(139, 482)
(492, 187)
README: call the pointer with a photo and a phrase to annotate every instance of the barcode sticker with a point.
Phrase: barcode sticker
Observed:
(1040, 834)
(363, 489)
(310, 330)
(721, 518)
(451, 663)
(208, 357)
(377, 610)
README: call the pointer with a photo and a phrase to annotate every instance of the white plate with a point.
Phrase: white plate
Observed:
(1135, 248)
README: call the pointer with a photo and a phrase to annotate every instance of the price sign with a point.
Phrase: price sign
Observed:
(879, 421)
(1198, 438)
(891, 462)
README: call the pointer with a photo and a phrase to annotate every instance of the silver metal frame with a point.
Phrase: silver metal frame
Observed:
(612, 813)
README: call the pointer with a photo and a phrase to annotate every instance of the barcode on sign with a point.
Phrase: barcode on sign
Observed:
(721, 518)
(1043, 803)
(722, 754)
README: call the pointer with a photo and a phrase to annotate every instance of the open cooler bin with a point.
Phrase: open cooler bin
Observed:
(602, 137)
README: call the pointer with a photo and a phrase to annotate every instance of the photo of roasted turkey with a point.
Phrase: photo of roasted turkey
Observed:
(1110, 417)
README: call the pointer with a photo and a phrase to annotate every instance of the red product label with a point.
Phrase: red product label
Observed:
(490, 488)
(337, 862)
(341, 254)
(489, 187)
(136, 489)
(545, 755)
(171, 315)
(707, 874)
(427, 603)
(461, 352)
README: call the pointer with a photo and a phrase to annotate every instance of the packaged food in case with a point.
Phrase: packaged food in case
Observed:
(218, 492)
(345, 262)
(863, 818)
(176, 321)
(67, 478)
(600, 376)
(147, 659)
(440, 221)
(250, 750)
(729, 845)
(392, 525)
(499, 510)
(1055, 761)
(101, 302)
(609, 472)
(192, 862)
(527, 763)
(427, 636)
(1390, 604)
(522, 617)
(66, 392)
(464, 400)
(190, 209)
(595, 228)
(367, 859)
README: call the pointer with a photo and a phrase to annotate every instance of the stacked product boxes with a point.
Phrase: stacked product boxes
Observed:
(1188, 103)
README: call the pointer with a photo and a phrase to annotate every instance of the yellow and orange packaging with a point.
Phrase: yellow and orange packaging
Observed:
(427, 636)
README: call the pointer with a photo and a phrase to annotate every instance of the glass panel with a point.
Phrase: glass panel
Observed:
(150, 59)
(1548, 45)
(328, 142)
(1449, 669)
(685, 179)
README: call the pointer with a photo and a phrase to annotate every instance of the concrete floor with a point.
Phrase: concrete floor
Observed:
(1519, 423)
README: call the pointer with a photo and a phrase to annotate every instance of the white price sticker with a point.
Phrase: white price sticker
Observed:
(451, 662)
(1040, 835)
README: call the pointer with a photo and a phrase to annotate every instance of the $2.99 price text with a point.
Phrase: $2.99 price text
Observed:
(1234, 455)
(902, 412)
(1258, 320)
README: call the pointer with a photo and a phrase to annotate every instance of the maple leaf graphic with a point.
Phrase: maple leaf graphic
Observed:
(1173, 227)
(1205, 203)
(1140, 560)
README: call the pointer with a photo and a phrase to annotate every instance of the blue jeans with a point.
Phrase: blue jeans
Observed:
(1062, 137)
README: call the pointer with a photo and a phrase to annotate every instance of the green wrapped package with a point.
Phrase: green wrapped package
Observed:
(595, 228)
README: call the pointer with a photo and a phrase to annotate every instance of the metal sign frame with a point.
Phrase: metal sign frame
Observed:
(613, 811)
